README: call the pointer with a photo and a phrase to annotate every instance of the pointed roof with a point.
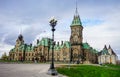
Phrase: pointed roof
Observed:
(109, 47)
(111, 50)
(105, 47)
(104, 51)
(76, 20)
(20, 37)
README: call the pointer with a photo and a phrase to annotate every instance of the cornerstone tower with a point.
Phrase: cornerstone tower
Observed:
(76, 38)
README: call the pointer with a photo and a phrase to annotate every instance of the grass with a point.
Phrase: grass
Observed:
(90, 71)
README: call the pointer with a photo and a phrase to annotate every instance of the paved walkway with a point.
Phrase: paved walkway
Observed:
(25, 70)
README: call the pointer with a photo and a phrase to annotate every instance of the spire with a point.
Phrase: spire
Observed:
(109, 47)
(20, 37)
(105, 47)
(20, 30)
(111, 50)
(76, 20)
(86, 40)
(76, 11)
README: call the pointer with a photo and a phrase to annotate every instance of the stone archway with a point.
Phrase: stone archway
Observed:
(75, 55)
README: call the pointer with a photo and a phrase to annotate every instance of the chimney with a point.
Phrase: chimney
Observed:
(109, 47)
(61, 42)
(58, 43)
(30, 44)
(37, 41)
(54, 42)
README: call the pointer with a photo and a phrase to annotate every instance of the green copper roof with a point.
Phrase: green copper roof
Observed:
(76, 21)
(12, 50)
(58, 47)
(45, 42)
(93, 50)
(67, 44)
(28, 48)
(86, 46)
(22, 47)
(104, 52)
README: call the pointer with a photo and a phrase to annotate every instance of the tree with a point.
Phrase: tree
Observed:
(4, 56)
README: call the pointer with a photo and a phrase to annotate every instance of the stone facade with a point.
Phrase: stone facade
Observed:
(107, 56)
(69, 51)
(42, 51)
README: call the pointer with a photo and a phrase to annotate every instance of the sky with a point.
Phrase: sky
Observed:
(100, 19)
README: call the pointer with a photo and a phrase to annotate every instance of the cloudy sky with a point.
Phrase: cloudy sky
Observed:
(100, 19)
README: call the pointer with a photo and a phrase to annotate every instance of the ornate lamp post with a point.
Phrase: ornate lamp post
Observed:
(52, 70)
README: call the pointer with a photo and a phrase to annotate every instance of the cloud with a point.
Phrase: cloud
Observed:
(5, 48)
(100, 20)
(118, 56)
(106, 32)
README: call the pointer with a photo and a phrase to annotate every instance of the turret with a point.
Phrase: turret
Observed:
(76, 37)
(76, 29)
(110, 50)
(19, 40)
(105, 47)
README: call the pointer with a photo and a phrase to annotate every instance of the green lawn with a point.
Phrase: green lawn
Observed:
(90, 71)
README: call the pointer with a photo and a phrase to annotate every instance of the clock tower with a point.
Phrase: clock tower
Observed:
(76, 38)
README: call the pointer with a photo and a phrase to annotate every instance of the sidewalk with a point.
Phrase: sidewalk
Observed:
(25, 70)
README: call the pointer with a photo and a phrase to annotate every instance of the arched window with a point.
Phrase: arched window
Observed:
(29, 54)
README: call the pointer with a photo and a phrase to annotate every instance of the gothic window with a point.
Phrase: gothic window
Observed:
(26, 54)
(19, 54)
(32, 54)
(75, 55)
(58, 54)
(10, 54)
(64, 53)
(40, 49)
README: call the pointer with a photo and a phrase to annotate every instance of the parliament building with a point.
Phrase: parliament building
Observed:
(73, 50)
